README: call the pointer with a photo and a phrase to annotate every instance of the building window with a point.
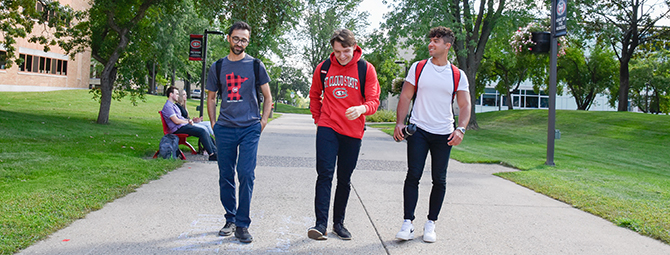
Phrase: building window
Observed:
(29, 63)
(3, 61)
(36, 64)
(45, 65)
(22, 66)
(42, 64)
(491, 97)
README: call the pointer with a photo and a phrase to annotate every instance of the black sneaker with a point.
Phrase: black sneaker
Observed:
(341, 231)
(212, 157)
(227, 229)
(317, 232)
(243, 235)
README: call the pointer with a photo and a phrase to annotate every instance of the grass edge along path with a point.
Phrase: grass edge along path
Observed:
(57, 165)
(610, 164)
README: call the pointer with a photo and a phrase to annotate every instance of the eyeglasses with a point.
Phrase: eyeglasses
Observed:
(237, 40)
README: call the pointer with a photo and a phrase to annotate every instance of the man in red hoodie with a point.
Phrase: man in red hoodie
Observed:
(339, 102)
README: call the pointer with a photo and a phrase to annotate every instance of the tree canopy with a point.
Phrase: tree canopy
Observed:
(625, 25)
(411, 20)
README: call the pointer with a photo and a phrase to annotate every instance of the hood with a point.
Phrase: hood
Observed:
(358, 52)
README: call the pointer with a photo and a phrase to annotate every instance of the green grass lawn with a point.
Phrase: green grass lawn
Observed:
(279, 107)
(611, 164)
(56, 164)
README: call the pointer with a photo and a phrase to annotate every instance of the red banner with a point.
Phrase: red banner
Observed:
(195, 52)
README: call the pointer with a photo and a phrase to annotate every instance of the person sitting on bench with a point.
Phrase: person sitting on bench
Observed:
(180, 125)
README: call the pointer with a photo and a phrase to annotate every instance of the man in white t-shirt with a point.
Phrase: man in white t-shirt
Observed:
(435, 132)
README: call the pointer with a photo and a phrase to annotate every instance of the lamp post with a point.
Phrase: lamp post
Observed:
(558, 29)
(204, 68)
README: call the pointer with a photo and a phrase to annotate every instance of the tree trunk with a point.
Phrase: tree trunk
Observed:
(472, 124)
(173, 77)
(624, 86)
(509, 101)
(106, 87)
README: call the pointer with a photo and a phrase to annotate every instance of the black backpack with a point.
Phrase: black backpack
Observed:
(168, 148)
(362, 73)
(257, 64)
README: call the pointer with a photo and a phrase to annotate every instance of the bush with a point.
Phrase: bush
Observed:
(381, 116)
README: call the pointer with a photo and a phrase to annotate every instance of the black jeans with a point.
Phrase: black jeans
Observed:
(418, 146)
(331, 146)
(201, 133)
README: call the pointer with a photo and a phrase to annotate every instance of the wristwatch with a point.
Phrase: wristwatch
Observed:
(462, 129)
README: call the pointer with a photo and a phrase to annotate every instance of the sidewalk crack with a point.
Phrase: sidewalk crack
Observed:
(371, 222)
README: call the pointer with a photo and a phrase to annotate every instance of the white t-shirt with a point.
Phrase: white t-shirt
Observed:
(432, 108)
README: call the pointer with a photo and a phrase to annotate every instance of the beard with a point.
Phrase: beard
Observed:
(236, 50)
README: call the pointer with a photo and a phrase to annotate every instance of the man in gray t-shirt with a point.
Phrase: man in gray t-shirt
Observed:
(238, 127)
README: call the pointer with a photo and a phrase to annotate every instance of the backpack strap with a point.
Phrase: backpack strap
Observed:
(324, 70)
(457, 79)
(417, 72)
(362, 74)
(257, 67)
(218, 66)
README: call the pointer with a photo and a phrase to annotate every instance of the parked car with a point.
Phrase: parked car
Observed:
(195, 93)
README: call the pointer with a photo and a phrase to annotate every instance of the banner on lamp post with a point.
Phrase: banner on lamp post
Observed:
(195, 52)
(559, 26)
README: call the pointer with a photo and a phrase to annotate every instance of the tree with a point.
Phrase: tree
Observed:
(586, 76)
(506, 65)
(289, 79)
(269, 20)
(321, 18)
(472, 25)
(625, 24)
(650, 83)
(107, 28)
(385, 59)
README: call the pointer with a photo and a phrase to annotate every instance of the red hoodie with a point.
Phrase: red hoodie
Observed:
(341, 92)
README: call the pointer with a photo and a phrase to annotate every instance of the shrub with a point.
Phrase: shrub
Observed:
(381, 116)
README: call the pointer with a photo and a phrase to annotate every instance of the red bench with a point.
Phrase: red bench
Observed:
(182, 138)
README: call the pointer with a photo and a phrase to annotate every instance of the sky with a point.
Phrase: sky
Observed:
(376, 9)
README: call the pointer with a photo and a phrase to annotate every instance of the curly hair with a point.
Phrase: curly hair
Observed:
(442, 32)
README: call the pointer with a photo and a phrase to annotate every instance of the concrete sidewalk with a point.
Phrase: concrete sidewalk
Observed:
(483, 214)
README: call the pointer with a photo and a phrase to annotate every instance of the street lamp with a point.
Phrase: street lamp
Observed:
(404, 65)
(204, 68)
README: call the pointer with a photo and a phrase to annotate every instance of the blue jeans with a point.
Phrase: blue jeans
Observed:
(331, 146)
(201, 133)
(228, 142)
(418, 146)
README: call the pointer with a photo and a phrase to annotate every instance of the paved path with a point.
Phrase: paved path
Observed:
(482, 214)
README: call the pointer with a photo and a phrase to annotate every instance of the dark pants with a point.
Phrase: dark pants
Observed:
(230, 141)
(201, 133)
(418, 146)
(331, 146)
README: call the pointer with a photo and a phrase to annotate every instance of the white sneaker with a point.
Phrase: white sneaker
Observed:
(429, 232)
(406, 231)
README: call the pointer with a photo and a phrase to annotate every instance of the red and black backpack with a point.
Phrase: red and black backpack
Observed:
(419, 68)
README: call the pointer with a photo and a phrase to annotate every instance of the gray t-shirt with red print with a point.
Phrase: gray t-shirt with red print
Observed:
(239, 105)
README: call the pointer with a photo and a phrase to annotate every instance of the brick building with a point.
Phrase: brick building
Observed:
(41, 70)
